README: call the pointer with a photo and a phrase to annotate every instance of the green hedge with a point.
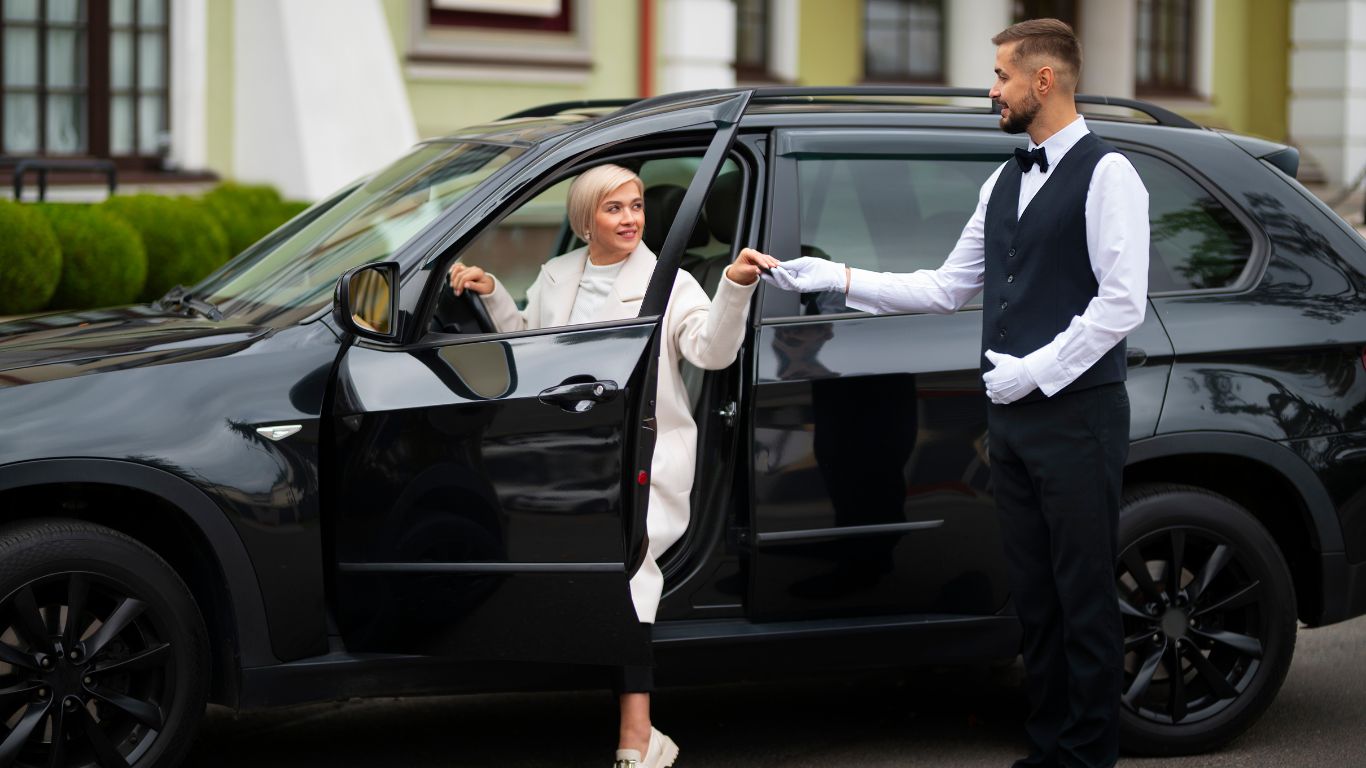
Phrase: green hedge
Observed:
(103, 261)
(248, 212)
(30, 259)
(183, 242)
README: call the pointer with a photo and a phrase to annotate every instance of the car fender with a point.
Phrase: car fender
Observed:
(1325, 531)
(239, 577)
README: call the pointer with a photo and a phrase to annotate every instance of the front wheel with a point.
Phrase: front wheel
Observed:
(1209, 620)
(103, 653)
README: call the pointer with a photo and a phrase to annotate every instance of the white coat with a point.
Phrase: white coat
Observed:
(707, 333)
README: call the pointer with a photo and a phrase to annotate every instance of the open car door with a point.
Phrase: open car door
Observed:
(489, 492)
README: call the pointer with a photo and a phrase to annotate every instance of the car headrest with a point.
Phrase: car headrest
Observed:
(661, 206)
(723, 206)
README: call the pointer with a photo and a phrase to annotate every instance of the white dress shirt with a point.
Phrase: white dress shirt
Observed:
(594, 286)
(1116, 236)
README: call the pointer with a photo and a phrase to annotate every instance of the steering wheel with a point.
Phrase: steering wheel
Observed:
(465, 313)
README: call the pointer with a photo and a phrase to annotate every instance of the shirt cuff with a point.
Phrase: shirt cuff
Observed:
(865, 290)
(1048, 373)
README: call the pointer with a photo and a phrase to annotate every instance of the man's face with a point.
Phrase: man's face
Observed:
(1014, 91)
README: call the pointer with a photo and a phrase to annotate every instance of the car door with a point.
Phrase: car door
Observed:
(871, 473)
(490, 489)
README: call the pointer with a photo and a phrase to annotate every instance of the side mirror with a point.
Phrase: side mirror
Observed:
(366, 303)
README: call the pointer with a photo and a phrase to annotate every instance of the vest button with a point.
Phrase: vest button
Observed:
(1003, 333)
(1012, 252)
(1010, 278)
(1003, 303)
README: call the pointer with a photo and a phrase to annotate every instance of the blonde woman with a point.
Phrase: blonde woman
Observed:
(606, 280)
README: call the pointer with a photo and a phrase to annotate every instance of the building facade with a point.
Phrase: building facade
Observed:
(310, 94)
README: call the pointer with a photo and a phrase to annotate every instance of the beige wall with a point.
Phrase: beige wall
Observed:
(831, 47)
(445, 101)
(219, 102)
(1250, 87)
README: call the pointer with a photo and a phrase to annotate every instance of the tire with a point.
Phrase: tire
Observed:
(1226, 615)
(125, 682)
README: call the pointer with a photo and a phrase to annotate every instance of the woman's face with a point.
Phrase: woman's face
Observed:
(618, 222)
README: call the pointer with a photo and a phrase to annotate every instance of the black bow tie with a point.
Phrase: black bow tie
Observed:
(1027, 158)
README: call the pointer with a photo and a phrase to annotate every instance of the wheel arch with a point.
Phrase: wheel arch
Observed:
(215, 564)
(1272, 483)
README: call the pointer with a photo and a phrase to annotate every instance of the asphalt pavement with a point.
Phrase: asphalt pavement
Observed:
(946, 718)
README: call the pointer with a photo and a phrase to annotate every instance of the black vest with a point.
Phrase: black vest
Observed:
(1038, 267)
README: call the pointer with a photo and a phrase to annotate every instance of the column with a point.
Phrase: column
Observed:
(1107, 34)
(318, 96)
(697, 44)
(969, 56)
(189, 85)
(1328, 85)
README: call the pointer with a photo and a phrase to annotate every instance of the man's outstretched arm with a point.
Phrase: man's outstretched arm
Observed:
(939, 290)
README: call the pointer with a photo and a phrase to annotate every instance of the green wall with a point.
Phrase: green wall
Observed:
(220, 86)
(1251, 79)
(830, 51)
(442, 104)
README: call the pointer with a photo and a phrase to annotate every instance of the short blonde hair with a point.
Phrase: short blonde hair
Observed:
(588, 191)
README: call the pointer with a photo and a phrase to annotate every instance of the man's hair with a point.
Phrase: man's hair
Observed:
(1048, 38)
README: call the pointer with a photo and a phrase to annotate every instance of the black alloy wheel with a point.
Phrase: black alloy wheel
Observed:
(103, 654)
(1209, 620)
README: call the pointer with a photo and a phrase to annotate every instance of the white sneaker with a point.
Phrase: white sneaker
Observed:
(661, 753)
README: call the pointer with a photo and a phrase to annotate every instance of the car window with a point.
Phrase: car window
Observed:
(1197, 243)
(293, 273)
(515, 248)
(889, 214)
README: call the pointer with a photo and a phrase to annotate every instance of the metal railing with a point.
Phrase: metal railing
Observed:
(42, 166)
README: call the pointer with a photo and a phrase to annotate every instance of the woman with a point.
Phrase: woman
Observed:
(606, 280)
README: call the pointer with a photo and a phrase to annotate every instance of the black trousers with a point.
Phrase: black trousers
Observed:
(1057, 467)
(635, 678)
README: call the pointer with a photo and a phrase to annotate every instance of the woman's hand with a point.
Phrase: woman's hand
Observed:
(473, 278)
(747, 266)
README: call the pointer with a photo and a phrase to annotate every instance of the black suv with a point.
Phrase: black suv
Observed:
(319, 474)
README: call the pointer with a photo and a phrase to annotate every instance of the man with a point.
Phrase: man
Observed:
(1059, 244)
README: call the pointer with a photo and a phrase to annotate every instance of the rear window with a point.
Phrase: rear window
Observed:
(1197, 243)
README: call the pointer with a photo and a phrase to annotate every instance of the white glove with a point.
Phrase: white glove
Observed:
(1009, 380)
(808, 274)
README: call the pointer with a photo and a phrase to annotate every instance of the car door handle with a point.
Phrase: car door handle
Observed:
(1135, 357)
(579, 396)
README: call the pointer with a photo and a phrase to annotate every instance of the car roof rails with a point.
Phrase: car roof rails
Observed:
(1159, 115)
(560, 107)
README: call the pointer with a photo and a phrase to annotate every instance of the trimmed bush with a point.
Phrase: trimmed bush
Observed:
(246, 212)
(289, 209)
(103, 261)
(183, 242)
(30, 259)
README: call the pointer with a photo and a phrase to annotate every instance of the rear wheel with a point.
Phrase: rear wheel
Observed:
(103, 653)
(1209, 620)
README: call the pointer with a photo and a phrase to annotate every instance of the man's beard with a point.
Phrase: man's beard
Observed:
(1020, 120)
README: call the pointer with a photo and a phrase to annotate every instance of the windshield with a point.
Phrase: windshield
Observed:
(291, 274)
